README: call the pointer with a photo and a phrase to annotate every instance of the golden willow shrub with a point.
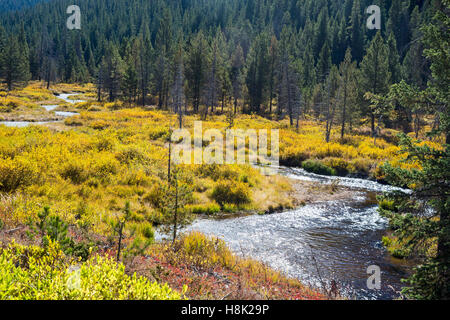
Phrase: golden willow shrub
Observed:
(202, 251)
(34, 273)
(17, 173)
(231, 192)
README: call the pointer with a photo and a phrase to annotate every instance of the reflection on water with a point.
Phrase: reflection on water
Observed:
(342, 236)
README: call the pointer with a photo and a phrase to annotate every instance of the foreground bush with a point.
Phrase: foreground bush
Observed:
(34, 273)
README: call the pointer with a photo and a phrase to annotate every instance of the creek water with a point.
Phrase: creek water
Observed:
(320, 242)
(64, 114)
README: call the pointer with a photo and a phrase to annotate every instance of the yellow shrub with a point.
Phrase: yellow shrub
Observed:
(16, 174)
(33, 273)
(231, 192)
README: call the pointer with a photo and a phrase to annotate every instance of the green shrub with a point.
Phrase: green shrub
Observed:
(341, 166)
(293, 159)
(387, 204)
(395, 248)
(317, 167)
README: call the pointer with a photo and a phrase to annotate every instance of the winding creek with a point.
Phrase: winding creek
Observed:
(335, 240)
(50, 108)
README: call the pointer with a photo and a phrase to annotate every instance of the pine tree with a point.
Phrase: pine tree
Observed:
(356, 36)
(289, 97)
(112, 71)
(324, 63)
(223, 69)
(257, 74)
(144, 62)
(3, 41)
(236, 74)
(398, 22)
(196, 69)
(164, 48)
(130, 80)
(375, 72)
(212, 82)
(347, 71)
(331, 88)
(14, 64)
(415, 66)
(177, 92)
(321, 32)
(273, 57)
(394, 60)
(416, 225)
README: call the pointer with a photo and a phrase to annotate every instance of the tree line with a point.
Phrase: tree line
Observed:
(273, 58)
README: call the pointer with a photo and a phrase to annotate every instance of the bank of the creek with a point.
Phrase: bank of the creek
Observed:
(320, 241)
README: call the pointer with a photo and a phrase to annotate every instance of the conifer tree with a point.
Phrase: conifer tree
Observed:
(14, 63)
(415, 224)
(324, 63)
(236, 74)
(164, 48)
(394, 60)
(347, 71)
(356, 36)
(112, 71)
(212, 82)
(144, 62)
(177, 92)
(196, 69)
(375, 72)
(257, 74)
